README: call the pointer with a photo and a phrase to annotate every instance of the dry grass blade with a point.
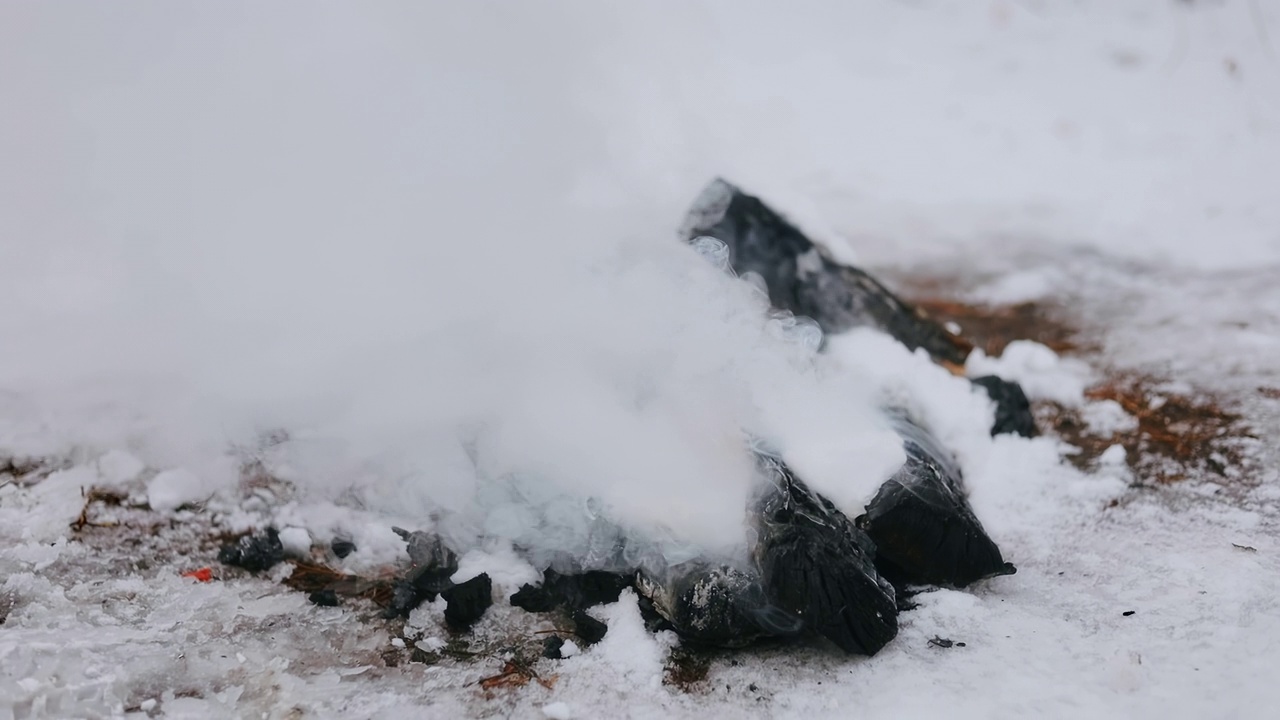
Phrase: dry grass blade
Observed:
(97, 495)
(1177, 435)
(992, 328)
(313, 577)
(513, 675)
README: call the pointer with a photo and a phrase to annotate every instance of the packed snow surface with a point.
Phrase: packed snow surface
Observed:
(417, 264)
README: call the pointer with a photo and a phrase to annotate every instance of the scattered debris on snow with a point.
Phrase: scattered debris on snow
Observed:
(255, 552)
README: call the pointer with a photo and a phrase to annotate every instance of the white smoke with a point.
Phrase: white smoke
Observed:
(433, 242)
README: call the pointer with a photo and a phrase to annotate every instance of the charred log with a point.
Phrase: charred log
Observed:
(801, 276)
(925, 531)
(817, 566)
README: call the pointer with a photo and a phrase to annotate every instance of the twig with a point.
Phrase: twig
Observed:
(95, 495)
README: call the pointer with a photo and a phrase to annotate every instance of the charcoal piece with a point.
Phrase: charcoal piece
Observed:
(534, 598)
(654, 621)
(588, 628)
(816, 566)
(802, 277)
(431, 565)
(551, 648)
(342, 547)
(324, 598)
(1013, 410)
(924, 530)
(588, 589)
(256, 552)
(715, 605)
(576, 591)
(405, 596)
(468, 601)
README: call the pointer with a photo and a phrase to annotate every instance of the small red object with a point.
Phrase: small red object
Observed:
(204, 574)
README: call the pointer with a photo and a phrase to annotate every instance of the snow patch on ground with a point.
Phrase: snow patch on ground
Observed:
(1107, 417)
(557, 711)
(1042, 374)
(505, 568)
(117, 467)
(296, 542)
(172, 489)
(1019, 286)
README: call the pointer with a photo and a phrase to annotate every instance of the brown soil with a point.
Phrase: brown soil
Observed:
(312, 577)
(1178, 435)
(993, 327)
(686, 669)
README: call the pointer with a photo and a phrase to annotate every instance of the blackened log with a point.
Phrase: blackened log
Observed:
(801, 276)
(716, 605)
(816, 565)
(925, 531)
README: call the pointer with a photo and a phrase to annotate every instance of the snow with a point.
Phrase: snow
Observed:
(296, 542)
(1113, 456)
(431, 644)
(1019, 287)
(172, 489)
(117, 467)
(1041, 372)
(557, 711)
(499, 560)
(629, 650)
(214, 225)
(956, 412)
(1106, 418)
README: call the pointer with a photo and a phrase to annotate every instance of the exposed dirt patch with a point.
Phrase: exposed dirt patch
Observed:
(1180, 433)
(1193, 431)
(28, 471)
(312, 577)
(687, 669)
(993, 327)
(93, 495)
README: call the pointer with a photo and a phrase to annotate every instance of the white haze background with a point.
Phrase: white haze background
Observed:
(390, 231)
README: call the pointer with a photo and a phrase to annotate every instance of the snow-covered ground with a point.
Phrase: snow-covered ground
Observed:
(216, 220)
